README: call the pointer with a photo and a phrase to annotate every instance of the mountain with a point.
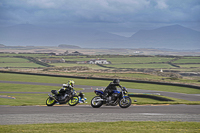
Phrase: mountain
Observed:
(68, 46)
(31, 35)
(171, 37)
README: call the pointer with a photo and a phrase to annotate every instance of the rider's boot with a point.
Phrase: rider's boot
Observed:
(104, 97)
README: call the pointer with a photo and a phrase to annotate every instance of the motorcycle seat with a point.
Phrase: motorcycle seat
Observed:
(54, 91)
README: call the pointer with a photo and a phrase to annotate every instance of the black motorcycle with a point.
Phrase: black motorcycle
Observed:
(116, 97)
(72, 99)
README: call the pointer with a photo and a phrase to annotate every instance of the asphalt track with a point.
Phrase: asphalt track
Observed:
(85, 113)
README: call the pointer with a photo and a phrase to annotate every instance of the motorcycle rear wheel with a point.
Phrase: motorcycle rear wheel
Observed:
(125, 103)
(73, 101)
(50, 101)
(95, 103)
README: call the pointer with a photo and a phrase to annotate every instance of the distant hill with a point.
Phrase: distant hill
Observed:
(172, 37)
(31, 35)
(68, 46)
(1, 45)
(169, 37)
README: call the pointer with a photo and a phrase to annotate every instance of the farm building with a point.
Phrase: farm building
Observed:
(98, 61)
(76, 53)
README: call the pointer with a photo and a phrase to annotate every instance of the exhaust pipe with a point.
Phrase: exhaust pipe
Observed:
(52, 97)
(99, 100)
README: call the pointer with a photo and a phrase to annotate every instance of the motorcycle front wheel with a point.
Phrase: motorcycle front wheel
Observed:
(50, 101)
(73, 101)
(95, 103)
(125, 102)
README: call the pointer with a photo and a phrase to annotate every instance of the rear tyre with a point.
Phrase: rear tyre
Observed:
(73, 101)
(125, 102)
(50, 101)
(95, 103)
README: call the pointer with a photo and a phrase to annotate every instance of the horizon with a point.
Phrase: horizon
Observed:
(127, 34)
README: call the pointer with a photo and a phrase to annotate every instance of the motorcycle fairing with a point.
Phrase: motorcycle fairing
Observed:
(98, 92)
(116, 91)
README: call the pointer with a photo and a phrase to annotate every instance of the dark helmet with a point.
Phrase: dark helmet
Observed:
(116, 81)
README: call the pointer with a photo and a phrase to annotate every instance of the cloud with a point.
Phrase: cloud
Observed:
(42, 3)
(161, 4)
(99, 11)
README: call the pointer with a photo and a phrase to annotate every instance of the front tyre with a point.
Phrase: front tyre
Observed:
(50, 101)
(95, 103)
(73, 101)
(125, 102)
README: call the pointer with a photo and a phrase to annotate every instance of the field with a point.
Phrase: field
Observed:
(30, 98)
(117, 61)
(174, 68)
(114, 59)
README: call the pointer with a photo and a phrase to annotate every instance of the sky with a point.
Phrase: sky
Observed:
(116, 16)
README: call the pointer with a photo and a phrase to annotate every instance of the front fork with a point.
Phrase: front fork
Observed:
(123, 97)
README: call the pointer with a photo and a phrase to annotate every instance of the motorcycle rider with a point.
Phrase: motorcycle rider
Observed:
(82, 99)
(112, 86)
(66, 89)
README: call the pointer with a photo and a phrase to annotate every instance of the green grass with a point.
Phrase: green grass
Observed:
(22, 99)
(25, 99)
(138, 59)
(189, 65)
(74, 58)
(196, 60)
(134, 76)
(118, 61)
(30, 64)
(90, 82)
(26, 88)
(191, 57)
(93, 66)
(12, 59)
(16, 62)
(189, 68)
(30, 55)
(146, 101)
(105, 127)
(117, 75)
(122, 59)
(156, 66)
(39, 99)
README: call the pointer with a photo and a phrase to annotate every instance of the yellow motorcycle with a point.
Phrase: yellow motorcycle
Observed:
(72, 99)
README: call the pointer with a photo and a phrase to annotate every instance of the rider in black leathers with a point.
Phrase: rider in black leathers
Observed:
(112, 86)
(66, 89)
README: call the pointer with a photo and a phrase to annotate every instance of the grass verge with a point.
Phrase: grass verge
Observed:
(106, 127)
